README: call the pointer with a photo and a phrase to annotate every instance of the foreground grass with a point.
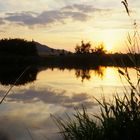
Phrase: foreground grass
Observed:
(118, 120)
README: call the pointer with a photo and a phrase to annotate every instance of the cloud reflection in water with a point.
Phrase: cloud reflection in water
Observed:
(52, 97)
(31, 109)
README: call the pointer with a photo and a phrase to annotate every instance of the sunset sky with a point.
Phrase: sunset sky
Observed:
(64, 23)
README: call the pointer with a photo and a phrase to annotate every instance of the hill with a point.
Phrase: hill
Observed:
(44, 50)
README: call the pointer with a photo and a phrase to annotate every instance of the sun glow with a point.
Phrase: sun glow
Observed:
(112, 39)
(108, 38)
(108, 46)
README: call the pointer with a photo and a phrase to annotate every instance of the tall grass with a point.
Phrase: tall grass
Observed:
(117, 120)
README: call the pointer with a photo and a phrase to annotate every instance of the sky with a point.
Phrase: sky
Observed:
(62, 24)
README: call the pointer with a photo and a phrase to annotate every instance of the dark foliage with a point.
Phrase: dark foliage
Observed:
(18, 47)
(83, 48)
(86, 48)
(17, 52)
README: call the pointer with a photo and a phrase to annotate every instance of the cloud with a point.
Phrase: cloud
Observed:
(84, 8)
(20, 18)
(45, 18)
(51, 97)
(76, 12)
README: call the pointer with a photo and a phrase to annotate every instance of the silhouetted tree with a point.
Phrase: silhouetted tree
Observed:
(83, 48)
(18, 52)
(18, 47)
(100, 49)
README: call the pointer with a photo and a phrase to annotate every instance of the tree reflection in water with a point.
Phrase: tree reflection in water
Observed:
(85, 74)
(8, 75)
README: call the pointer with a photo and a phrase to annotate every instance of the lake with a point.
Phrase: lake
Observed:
(26, 111)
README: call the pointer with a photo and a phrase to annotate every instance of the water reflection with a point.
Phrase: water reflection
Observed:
(85, 74)
(56, 92)
(10, 75)
(52, 97)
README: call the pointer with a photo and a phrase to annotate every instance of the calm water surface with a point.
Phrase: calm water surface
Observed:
(27, 108)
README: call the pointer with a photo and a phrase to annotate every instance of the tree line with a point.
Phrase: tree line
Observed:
(18, 47)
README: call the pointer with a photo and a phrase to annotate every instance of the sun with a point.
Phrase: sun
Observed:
(108, 46)
(108, 38)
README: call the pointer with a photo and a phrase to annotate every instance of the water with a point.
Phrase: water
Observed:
(26, 110)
